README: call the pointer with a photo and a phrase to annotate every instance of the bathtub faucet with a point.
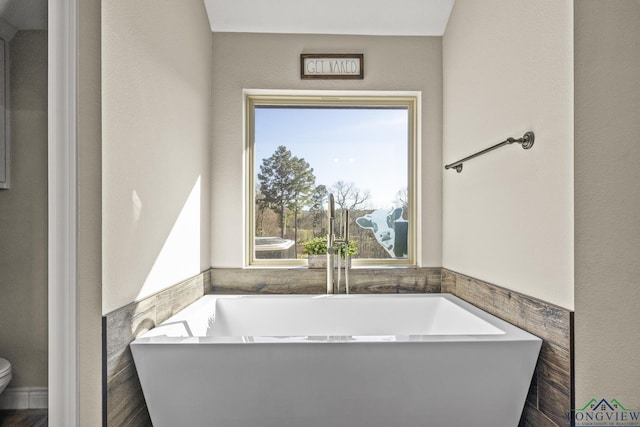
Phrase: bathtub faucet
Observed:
(334, 287)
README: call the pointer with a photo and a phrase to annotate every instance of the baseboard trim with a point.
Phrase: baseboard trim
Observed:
(25, 398)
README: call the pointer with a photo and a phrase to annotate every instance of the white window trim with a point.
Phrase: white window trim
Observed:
(63, 319)
(415, 171)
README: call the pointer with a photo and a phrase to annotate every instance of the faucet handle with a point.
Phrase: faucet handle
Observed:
(331, 212)
(346, 225)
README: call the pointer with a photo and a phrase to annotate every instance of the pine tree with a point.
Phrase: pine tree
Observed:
(286, 182)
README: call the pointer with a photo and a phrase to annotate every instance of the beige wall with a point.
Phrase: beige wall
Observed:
(607, 200)
(156, 115)
(23, 217)
(271, 61)
(508, 217)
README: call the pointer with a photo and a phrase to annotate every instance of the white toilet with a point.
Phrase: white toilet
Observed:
(5, 374)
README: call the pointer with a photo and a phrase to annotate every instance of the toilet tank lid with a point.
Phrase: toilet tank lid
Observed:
(4, 366)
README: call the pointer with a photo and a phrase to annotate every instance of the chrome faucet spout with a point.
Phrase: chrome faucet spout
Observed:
(346, 251)
(333, 287)
(331, 213)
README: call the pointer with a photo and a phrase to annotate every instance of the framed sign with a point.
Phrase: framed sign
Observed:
(332, 66)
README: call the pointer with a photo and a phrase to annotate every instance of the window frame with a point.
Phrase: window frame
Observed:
(292, 98)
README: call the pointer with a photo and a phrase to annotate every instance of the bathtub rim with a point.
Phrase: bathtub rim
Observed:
(512, 333)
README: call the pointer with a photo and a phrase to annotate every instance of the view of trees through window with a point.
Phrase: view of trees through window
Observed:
(359, 154)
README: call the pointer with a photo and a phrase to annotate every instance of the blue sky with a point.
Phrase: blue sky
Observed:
(366, 146)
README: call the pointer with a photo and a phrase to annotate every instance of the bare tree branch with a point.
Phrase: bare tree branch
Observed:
(348, 196)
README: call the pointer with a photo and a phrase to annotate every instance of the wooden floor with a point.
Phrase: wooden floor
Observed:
(24, 418)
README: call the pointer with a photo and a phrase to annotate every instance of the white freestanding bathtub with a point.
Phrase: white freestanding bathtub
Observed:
(335, 361)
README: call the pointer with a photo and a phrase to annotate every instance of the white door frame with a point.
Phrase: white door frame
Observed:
(63, 319)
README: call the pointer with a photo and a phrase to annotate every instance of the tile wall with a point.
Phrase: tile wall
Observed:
(123, 402)
(551, 396)
(313, 281)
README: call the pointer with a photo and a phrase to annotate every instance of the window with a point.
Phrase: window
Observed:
(362, 149)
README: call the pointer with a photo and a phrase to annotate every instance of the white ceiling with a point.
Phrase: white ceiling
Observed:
(361, 17)
(25, 14)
